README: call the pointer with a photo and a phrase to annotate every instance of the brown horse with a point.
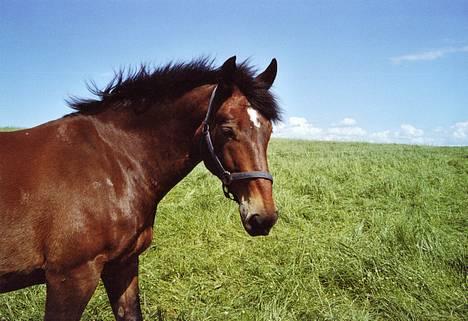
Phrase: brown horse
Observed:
(78, 195)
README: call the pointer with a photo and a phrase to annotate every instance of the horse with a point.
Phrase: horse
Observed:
(78, 195)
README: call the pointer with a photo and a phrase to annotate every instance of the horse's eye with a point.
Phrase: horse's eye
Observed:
(228, 132)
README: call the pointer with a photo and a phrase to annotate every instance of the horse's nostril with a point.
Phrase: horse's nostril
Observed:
(254, 220)
(259, 225)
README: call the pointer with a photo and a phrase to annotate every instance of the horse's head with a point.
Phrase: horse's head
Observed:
(239, 127)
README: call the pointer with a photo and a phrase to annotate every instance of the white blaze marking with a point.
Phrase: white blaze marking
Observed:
(253, 116)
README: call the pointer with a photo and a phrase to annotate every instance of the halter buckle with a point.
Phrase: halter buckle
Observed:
(227, 193)
(205, 127)
(226, 178)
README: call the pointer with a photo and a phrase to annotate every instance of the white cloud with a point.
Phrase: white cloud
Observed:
(347, 122)
(411, 131)
(460, 130)
(427, 55)
(385, 136)
(298, 121)
(297, 127)
(347, 130)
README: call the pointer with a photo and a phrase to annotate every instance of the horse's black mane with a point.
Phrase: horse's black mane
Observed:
(146, 86)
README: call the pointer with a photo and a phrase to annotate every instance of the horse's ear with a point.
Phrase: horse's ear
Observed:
(268, 76)
(228, 69)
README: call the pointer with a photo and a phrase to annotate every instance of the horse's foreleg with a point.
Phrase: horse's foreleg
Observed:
(121, 282)
(68, 292)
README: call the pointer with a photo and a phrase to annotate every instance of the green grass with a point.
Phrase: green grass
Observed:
(366, 232)
(8, 129)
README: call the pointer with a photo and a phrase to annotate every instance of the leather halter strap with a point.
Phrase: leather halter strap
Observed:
(225, 176)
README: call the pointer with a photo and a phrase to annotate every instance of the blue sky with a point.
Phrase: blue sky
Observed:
(382, 71)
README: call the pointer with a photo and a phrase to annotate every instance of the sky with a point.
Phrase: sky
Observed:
(376, 71)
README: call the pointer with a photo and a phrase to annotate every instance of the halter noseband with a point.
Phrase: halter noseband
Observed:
(225, 176)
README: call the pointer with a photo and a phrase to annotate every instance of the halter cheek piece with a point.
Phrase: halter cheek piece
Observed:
(225, 176)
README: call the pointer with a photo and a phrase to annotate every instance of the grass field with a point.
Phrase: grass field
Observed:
(366, 232)
(8, 129)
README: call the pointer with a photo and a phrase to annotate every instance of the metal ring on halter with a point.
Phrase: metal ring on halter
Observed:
(226, 178)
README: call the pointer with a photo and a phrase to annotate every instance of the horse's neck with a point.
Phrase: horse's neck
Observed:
(164, 141)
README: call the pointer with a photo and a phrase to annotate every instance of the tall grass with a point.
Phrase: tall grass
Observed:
(366, 232)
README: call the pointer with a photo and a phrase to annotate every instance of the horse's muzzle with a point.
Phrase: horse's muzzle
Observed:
(256, 224)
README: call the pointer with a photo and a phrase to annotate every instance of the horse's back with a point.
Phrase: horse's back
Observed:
(66, 196)
(40, 172)
(19, 151)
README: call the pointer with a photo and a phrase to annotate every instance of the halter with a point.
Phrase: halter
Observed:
(225, 176)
